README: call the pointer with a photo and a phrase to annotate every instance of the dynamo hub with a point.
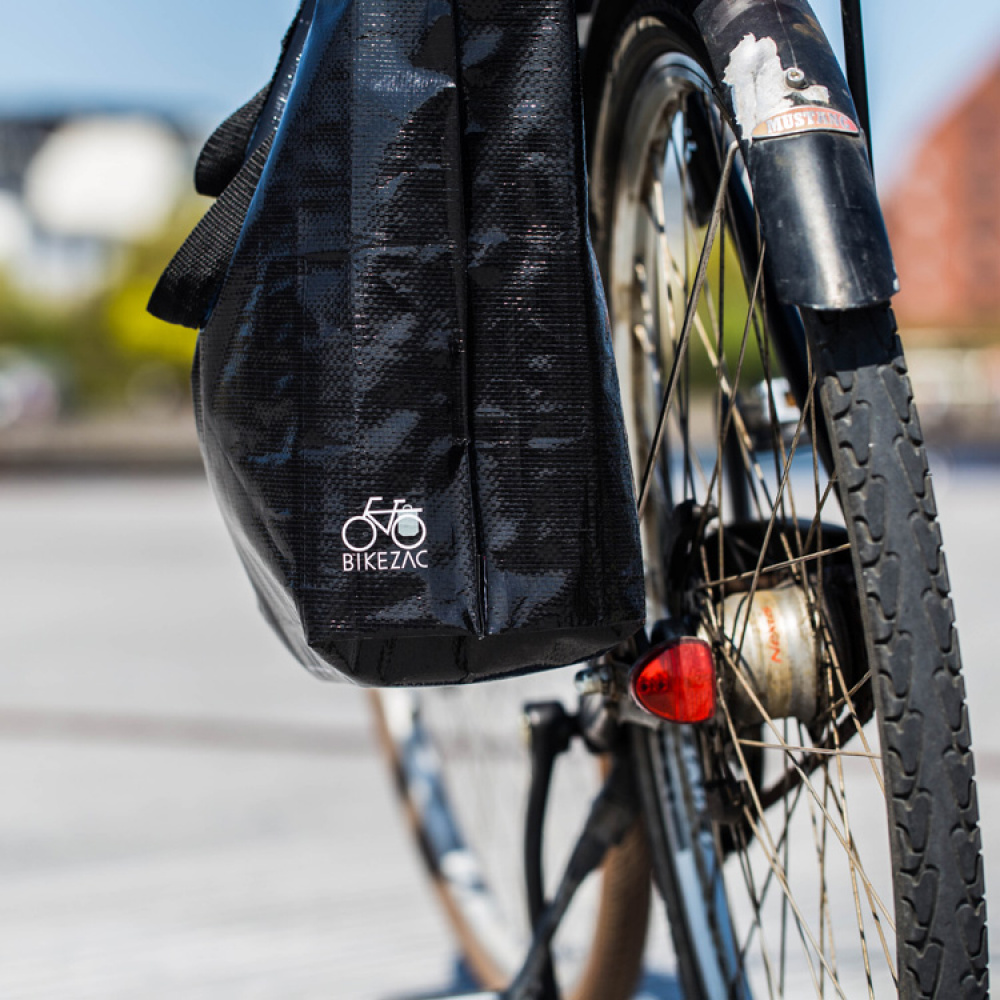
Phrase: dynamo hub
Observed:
(777, 651)
(787, 641)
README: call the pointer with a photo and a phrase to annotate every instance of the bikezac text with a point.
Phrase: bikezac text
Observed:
(382, 561)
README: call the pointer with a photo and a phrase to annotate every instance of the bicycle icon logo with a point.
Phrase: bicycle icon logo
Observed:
(401, 522)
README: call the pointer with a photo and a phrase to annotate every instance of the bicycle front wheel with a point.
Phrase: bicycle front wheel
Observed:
(819, 836)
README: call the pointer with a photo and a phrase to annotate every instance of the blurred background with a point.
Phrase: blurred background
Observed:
(103, 108)
(182, 810)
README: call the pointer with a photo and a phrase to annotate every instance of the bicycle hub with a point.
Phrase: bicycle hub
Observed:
(770, 667)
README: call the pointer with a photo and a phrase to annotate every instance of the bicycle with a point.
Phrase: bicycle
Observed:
(404, 526)
(788, 526)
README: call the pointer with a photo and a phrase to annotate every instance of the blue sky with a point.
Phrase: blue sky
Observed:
(187, 54)
(205, 57)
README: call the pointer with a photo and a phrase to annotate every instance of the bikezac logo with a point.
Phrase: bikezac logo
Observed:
(404, 532)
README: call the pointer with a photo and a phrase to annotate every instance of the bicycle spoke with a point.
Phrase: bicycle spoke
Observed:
(805, 934)
(796, 766)
(794, 748)
(774, 516)
(684, 335)
(773, 567)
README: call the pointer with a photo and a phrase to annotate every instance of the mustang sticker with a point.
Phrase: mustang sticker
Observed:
(805, 118)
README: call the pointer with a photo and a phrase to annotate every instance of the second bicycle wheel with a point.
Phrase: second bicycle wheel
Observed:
(819, 836)
(462, 768)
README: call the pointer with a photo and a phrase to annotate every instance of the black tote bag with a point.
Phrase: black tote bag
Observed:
(404, 386)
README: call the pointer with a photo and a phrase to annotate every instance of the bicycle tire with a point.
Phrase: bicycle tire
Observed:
(711, 793)
(461, 768)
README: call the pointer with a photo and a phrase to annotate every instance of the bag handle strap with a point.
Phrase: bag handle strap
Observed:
(188, 288)
(226, 148)
(229, 167)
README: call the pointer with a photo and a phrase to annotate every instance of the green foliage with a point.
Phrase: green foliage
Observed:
(104, 346)
(734, 307)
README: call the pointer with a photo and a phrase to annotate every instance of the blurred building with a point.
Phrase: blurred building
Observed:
(944, 221)
(20, 140)
(75, 188)
(86, 199)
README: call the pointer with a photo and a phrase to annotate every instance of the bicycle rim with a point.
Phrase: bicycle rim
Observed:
(768, 826)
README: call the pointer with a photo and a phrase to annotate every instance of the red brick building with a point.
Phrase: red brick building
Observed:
(944, 221)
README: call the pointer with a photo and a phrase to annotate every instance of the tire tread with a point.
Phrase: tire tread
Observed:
(889, 503)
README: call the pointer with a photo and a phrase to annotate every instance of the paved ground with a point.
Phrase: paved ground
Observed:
(186, 813)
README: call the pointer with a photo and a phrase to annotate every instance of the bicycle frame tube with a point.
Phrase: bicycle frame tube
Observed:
(805, 151)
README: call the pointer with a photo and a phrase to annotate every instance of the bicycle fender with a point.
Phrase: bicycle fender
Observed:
(805, 152)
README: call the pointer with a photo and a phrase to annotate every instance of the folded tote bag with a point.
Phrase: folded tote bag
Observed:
(403, 385)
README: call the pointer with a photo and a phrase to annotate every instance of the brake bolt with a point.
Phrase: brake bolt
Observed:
(794, 77)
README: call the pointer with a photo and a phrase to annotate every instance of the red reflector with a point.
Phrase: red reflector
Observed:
(676, 681)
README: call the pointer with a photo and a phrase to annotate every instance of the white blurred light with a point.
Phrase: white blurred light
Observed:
(110, 178)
